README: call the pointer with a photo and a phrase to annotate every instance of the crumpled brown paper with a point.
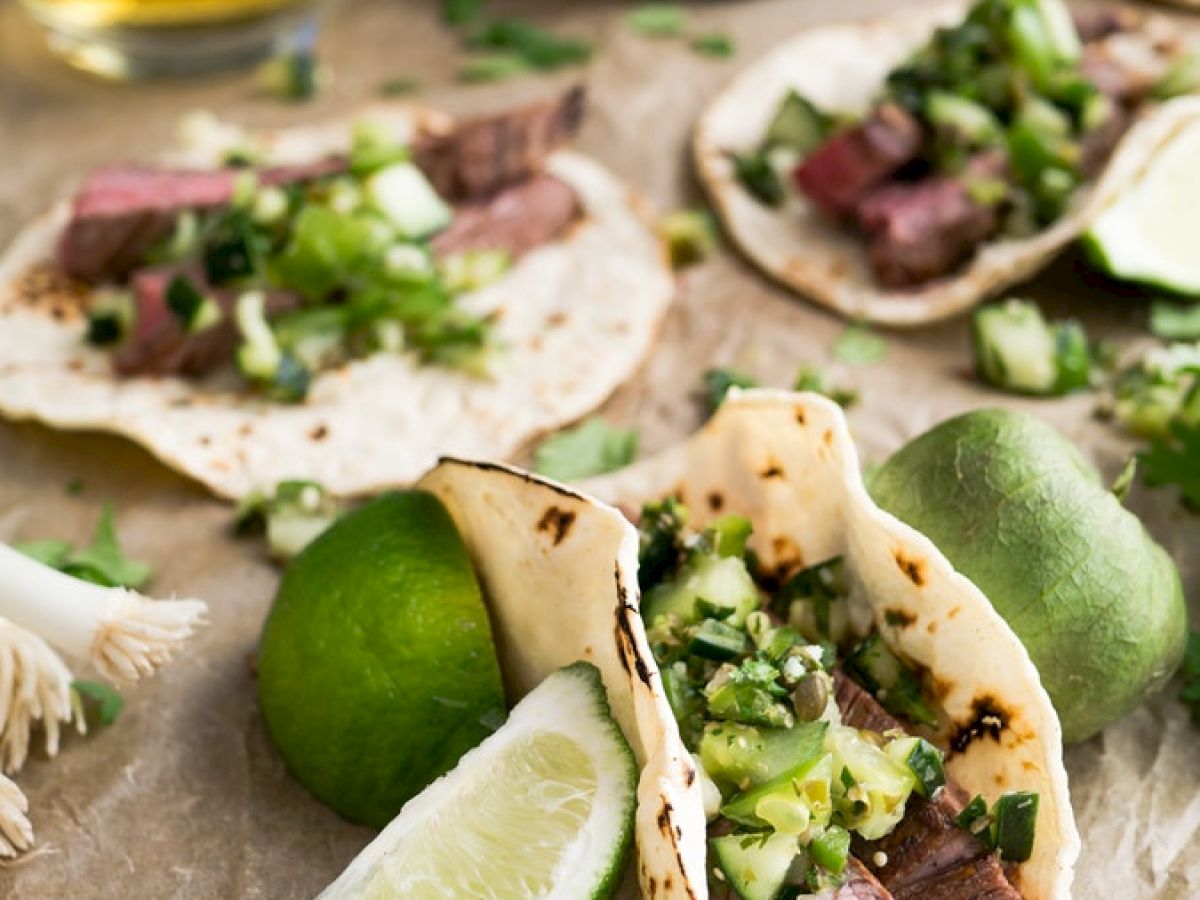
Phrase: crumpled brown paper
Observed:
(184, 795)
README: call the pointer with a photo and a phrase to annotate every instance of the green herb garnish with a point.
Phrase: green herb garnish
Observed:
(400, 86)
(718, 46)
(718, 383)
(536, 47)
(108, 702)
(591, 448)
(1173, 322)
(462, 12)
(859, 345)
(1190, 672)
(101, 562)
(1175, 461)
(493, 67)
(658, 20)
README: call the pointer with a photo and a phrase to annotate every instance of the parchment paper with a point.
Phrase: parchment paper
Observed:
(184, 795)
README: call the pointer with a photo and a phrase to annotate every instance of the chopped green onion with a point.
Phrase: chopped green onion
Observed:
(717, 641)
(972, 815)
(472, 270)
(194, 311)
(1016, 822)
(830, 849)
(293, 76)
(755, 173)
(924, 760)
(1175, 323)
(110, 318)
(374, 147)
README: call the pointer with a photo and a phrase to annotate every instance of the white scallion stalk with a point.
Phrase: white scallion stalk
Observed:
(123, 634)
(35, 686)
(16, 834)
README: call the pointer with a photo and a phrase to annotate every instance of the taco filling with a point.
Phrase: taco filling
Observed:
(819, 751)
(287, 271)
(984, 133)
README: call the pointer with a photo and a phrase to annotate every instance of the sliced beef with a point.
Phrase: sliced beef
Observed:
(1096, 21)
(860, 884)
(121, 212)
(927, 852)
(481, 156)
(518, 219)
(159, 344)
(977, 879)
(918, 231)
(842, 171)
(859, 709)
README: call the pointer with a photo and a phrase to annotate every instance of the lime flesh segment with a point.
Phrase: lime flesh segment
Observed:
(1148, 235)
(542, 809)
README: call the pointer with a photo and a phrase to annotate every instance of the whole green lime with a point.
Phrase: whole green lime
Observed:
(376, 668)
(1017, 509)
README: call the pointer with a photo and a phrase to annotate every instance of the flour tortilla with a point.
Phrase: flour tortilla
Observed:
(841, 68)
(576, 319)
(559, 571)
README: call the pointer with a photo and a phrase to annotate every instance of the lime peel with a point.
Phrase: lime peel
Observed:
(542, 808)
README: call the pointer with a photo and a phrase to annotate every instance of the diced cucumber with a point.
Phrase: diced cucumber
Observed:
(871, 788)
(971, 121)
(472, 270)
(1072, 357)
(797, 125)
(755, 865)
(1014, 348)
(745, 756)
(923, 760)
(790, 803)
(1016, 820)
(721, 581)
(110, 318)
(406, 198)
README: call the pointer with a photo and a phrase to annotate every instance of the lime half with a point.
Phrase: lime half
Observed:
(1149, 234)
(542, 809)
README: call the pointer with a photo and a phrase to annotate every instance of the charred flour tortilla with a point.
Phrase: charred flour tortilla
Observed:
(575, 318)
(559, 573)
(842, 68)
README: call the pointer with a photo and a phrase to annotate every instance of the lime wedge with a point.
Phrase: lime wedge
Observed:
(541, 809)
(1149, 234)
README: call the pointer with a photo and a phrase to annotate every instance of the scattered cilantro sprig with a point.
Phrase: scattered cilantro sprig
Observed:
(108, 702)
(102, 562)
(1190, 694)
(1175, 461)
(591, 448)
(859, 345)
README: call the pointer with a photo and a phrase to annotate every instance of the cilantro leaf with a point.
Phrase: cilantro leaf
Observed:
(490, 67)
(859, 345)
(50, 553)
(533, 45)
(462, 12)
(1175, 461)
(591, 448)
(102, 561)
(1175, 323)
(109, 702)
(718, 382)
(658, 20)
(718, 46)
(809, 378)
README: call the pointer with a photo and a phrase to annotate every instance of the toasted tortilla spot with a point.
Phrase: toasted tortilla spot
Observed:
(954, 611)
(899, 618)
(319, 433)
(557, 522)
(773, 470)
(913, 568)
(988, 720)
(789, 559)
(932, 627)
(664, 817)
(798, 412)
(555, 319)
(715, 501)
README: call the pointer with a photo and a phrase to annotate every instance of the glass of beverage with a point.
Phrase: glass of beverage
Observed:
(142, 38)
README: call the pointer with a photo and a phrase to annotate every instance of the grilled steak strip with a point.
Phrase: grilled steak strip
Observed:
(927, 851)
(840, 173)
(480, 156)
(860, 884)
(918, 231)
(123, 211)
(159, 344)
(518, 219)
(1097, 21)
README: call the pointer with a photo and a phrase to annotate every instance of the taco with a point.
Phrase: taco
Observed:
(341, 303)
(903, 169)
(819, 702)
